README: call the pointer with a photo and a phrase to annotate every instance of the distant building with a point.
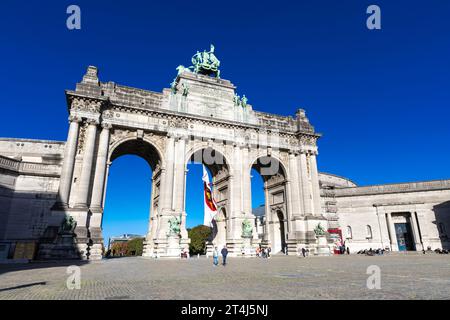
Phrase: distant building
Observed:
(123, 238)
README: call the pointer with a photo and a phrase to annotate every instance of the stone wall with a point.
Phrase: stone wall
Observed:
(29, 181)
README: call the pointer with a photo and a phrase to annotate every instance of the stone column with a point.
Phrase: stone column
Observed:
(246, 182)
(70, 149)
(100, 170)
(230, 211)
(86, 170)
(179, 182)
(295, 185)
(179, 174)
(289, 206)
(153, 214)
(108, 166)
(415, 230)
(166, 196)
(315, 185)
(268, 215)
(392, 234)
(236, 204)
(305, 185)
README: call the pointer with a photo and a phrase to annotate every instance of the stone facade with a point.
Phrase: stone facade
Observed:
(369, 216)
(196, 120)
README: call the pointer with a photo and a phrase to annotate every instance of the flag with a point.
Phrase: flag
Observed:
(210, 204)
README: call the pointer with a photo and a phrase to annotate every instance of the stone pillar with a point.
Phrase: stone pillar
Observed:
(166, 196)
(305, 185)
(415, 230)
(231, 203)
(268, 216)
(179, 174)
(100, 170)
(236, 195)
(167, 191)
(86, 170)
(70, 149)
(148, 243)
(179, 182)
(317, 208)
(246, 182)
(295, 185)
(392, 234)
(108, 166)
(289, 206)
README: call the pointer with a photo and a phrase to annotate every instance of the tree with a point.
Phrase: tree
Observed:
(119, 249)
(199, 236)
(135, 247)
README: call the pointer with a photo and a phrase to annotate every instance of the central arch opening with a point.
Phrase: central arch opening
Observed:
(131, 197)
(217, 170)
(269, 175)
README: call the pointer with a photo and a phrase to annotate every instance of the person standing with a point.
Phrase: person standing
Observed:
(269, 249)
(216, 256)
(224, 255)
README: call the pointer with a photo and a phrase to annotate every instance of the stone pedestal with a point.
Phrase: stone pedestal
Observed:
(64, 248)
(173, 247)
(247, 249)
(148, 250)
(322, 248)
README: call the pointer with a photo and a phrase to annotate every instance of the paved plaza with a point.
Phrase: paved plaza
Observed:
(411, 276)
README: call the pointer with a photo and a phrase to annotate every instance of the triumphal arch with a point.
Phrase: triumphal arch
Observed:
(199, 118)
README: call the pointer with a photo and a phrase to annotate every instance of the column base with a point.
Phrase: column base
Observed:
(170, 247)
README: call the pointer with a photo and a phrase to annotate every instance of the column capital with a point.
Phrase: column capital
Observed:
(106, 126)
(92, 122)
(74, 118)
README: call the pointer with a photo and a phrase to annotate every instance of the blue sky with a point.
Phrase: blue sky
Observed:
(381, 98)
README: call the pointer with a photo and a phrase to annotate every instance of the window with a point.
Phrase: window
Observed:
(349, 232)
(368, 232)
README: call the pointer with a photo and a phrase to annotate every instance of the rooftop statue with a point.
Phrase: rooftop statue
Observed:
(206, 63)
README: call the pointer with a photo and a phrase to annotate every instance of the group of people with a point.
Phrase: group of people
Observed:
(223, 252)
(372, 252)
(263, 252)
(342, 248)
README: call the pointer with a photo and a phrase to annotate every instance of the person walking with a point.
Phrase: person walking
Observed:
(216, 256)
(304, 252)
(224, 255)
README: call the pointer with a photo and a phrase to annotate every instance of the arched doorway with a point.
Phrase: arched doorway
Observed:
(127, 206)
(276, 210)
(149, 153)
(279, 232)
(219, 170)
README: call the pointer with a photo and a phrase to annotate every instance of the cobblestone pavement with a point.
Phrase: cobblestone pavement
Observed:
(340, 277)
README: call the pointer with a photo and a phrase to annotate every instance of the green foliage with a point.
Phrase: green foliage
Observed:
(199, 236)
(135, 247)
(130, 248)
